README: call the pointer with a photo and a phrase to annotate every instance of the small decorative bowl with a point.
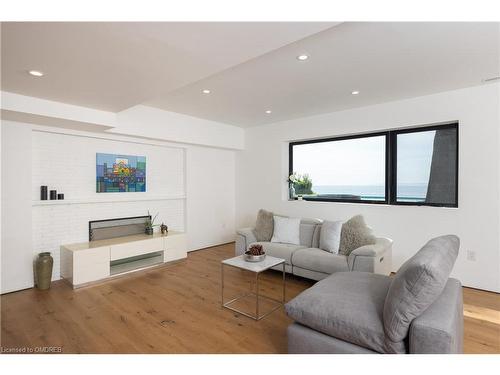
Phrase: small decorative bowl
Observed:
(254, 258)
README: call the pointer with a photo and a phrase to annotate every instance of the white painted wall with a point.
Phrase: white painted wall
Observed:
(51, 109)
(67, 163)
(65, 140)
(1, 183)
(215, 179)
(210, 196)
(1, 238)
(16, 257)
(262, 170)
(65, 159)
(138, 121)
(144, 121)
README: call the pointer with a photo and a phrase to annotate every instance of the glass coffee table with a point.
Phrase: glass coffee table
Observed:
(255, 267)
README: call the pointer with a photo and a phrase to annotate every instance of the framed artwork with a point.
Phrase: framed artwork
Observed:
(120, 173)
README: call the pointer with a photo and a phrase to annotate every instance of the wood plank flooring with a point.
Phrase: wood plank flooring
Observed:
(176, 309)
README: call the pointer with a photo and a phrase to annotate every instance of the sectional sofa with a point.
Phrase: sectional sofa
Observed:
(308, 260)
(419, 311)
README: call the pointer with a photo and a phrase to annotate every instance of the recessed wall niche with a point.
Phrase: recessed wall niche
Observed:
(69, 162)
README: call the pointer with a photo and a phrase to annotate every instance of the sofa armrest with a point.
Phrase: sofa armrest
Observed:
(440, 328)
(378, 248)
(376, 258)
(248, 234)
(244, 237)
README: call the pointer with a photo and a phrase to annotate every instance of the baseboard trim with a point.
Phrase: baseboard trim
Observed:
(481, 290)
(211, 247)
(20, 290)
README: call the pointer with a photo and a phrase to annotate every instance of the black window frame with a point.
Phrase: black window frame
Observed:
(394, 158)
(390, 164)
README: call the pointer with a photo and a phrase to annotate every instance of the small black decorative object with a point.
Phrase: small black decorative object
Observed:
(60, 196)
(43, 193)
(163, 229)
(53, 195)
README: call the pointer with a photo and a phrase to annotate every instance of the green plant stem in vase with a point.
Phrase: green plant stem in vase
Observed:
(149, 224)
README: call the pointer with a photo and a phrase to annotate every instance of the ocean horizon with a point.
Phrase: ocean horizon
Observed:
(411, 191)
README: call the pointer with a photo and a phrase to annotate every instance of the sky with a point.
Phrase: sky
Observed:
(361, 161)
(415, 157)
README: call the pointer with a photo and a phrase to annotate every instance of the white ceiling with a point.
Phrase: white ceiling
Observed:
(249, 67)
(116, 65)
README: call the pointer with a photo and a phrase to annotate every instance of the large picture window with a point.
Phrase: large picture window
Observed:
(348, 169)
(417, 166)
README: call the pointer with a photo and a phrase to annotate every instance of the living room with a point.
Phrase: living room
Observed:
(285, 187)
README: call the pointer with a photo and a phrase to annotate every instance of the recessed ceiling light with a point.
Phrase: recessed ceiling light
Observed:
(355, 92)
(302, 57)
(35, 73)
(269, 111)
(205, 91)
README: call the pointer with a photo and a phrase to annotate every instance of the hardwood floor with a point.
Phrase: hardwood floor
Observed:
(481, 321)
(176, 309)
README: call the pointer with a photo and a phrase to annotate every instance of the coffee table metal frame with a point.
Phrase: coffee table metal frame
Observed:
(257, 295)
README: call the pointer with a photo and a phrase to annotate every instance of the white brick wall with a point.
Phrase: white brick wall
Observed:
(67, 163)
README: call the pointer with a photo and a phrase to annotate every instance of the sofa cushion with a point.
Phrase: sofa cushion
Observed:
(329, 239)
(348, 306)
(306, 234)
(280, 250)
(316, 235)
(355, 233)
(264, 226)
(286, 230)
(417, 284)
(319, 260)
(309, 274)
(310, 221)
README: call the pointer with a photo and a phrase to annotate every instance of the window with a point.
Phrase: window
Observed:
(416, 166)
(347, 169)
(426, 166)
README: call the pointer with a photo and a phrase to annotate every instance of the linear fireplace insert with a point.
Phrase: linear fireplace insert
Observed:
(119, 227)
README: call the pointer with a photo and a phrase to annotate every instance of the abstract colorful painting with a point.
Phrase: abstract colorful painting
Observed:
(120, 173)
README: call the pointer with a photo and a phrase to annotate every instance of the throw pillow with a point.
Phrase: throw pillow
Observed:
(264, 226)
(329, 239)
(355, 233)
(286, 230)
(417, 284)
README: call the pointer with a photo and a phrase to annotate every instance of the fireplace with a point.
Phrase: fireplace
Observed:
(119, 227)
(123, 227)
(119, 246)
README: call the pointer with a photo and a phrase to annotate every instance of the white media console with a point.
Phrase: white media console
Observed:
(87, 262)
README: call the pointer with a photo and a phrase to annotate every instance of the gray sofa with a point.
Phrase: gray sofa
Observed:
(420, 310)
(307, 260)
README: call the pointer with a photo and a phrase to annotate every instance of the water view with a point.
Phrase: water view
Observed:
(415, 192)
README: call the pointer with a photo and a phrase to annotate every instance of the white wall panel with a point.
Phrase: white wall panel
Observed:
(17, 256)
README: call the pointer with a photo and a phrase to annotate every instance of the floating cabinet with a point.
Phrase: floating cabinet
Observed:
(88, 262)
